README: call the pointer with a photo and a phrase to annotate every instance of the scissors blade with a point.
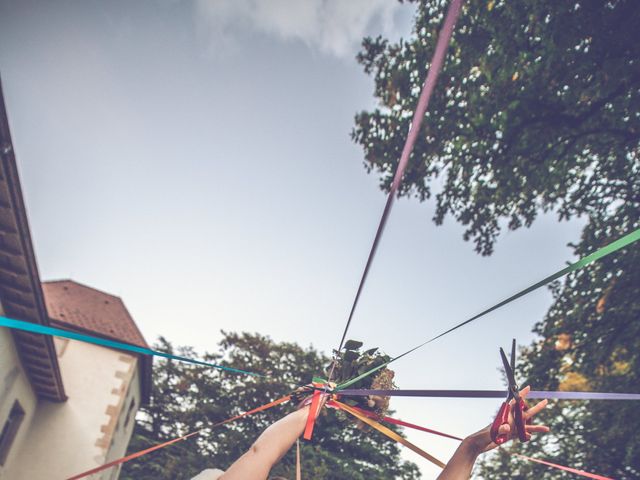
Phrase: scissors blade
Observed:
(508, 371)
(513, 355)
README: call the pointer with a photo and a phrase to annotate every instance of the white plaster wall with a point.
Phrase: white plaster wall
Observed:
(123, 431)
(14, 385)
(67, 438)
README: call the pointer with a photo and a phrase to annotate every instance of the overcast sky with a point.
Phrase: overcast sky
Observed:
(193, 157)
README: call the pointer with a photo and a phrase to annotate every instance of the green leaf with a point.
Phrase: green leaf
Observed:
(350, 356)
(352, 345)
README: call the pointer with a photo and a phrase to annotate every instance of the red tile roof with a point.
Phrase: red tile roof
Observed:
(76, 305)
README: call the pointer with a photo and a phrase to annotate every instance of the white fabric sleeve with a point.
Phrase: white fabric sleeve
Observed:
(208, 474)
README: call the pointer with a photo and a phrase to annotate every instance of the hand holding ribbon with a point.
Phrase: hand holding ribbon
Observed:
(318, 399)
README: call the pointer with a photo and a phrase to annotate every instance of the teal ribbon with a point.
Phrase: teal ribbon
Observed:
(597, 255)
(58, 332)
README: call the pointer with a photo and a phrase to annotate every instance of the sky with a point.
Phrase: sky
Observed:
(194, 157)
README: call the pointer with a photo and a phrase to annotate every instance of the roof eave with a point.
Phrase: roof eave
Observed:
(20, 291)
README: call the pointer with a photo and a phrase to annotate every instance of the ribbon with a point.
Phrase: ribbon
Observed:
(405, 424)
(58, 332)
(582, 473)
(597, 255)
(534, 394)
(175, 440)
(386, 431)
(536, 460)
(414, 130)
(313, 413)
(255, 410)
(132, 456)
(298, 463)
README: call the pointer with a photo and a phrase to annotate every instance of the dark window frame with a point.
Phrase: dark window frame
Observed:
(132, 405)
(10, 430)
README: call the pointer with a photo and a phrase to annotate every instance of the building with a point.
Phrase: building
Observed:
(65, 406)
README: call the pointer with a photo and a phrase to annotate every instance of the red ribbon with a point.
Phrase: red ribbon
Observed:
(582, 473)
(313, 413)
(405, 424)
(524, 457)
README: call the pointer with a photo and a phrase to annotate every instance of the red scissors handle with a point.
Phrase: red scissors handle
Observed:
(519, 414)
(501, 419)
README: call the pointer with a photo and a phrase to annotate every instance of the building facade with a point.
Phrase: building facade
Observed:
(65, 406)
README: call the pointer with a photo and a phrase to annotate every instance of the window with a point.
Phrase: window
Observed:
(129, 412)
(10, 430)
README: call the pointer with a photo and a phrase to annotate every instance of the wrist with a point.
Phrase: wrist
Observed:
(474, 444)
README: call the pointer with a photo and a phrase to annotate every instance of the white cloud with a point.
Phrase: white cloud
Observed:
(333, 26)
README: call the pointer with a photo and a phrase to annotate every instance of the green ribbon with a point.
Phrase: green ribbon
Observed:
(58, 332)
(597, 255)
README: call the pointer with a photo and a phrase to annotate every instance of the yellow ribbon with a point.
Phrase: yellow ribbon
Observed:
(388, 432)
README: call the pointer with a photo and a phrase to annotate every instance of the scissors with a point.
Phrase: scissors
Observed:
(514, 403)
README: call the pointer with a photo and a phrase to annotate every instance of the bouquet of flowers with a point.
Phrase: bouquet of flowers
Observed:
(351, 362)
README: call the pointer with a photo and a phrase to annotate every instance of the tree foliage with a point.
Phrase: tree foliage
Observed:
(186, 398)
(537, 109)
(589, 341)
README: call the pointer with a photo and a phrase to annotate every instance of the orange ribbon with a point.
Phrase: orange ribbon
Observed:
(255, 410)
(132, 456)
(386, 431)
(176, 440)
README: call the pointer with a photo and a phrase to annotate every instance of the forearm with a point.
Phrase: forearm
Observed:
(276, 440)
(461, 464)
(270, 446)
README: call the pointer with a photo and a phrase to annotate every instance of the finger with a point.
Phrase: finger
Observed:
(537, 428)
(504, 429)
(535, 409)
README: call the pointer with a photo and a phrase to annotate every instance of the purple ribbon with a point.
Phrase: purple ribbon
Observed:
(537, 394)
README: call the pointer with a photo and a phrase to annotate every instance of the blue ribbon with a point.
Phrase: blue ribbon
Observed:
(58, 332)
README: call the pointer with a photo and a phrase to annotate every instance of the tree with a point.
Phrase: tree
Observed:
(186, 398)
(536, 110)
(590, 340)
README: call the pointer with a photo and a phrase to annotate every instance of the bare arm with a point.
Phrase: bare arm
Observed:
(270, 447)
(464, 458)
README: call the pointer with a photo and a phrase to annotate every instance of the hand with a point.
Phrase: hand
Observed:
(304, 395)
(481, 441)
